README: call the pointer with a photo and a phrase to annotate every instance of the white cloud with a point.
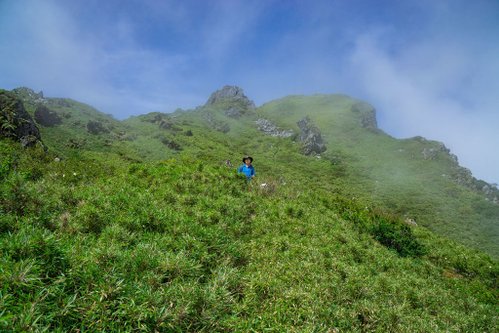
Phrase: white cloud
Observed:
(417, 92)
(106, 68)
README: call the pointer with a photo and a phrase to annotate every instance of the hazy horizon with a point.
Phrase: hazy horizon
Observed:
(430, 68)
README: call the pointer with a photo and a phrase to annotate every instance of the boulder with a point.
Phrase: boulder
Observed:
(310, 137)
(15, 121)
(46, 117)
(367, 115)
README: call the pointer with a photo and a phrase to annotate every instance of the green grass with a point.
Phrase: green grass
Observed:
(97, 242)
(126, 234)
(393, 173)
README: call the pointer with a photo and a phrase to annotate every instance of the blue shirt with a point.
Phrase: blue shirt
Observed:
(249, 171)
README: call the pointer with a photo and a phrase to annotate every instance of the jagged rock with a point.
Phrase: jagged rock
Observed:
(311, 137)
(15, 121)
(233, 112)
(96, 127)
(46, 117)
(429, 153)
(229, 93)
(267, 127)
(432, 153)
(30, 95)
(367, 115)
(232, 100)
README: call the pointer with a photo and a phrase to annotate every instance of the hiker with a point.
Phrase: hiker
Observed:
(247, 169)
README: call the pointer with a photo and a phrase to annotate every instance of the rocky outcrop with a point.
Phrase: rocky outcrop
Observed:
(162, 120)
(231, 93)
(267, 127)
(29, 95)
(15, 121)
(232, 100)
(46, 117)
(96, 127)
(434, 150)
(431, 153)
(310, 137)
(367, 115)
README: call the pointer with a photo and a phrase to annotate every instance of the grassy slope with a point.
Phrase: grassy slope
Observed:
(393, 173)
(111, 239)
(101, 243)
(389, 172)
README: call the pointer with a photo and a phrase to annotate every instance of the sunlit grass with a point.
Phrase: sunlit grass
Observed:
(98, 243)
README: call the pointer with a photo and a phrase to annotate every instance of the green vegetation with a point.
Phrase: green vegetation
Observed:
(121, 231)
(395, 174)
(100, 243)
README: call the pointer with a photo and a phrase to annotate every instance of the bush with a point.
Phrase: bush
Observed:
(398, 236)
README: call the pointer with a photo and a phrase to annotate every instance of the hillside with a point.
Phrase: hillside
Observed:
(416, 178)
(144, 228)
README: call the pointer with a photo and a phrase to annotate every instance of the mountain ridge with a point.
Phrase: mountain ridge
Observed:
(348, 127)
(145, 225)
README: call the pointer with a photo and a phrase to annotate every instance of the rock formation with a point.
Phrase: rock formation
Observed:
(27, 94)
(267, 127)
(15, 121)
(367, 115)
(46, 117)
(232, 100)
(311, 137)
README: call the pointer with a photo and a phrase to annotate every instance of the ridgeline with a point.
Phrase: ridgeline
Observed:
(144, 225)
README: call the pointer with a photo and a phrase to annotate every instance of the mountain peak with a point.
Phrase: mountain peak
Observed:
(230, 93)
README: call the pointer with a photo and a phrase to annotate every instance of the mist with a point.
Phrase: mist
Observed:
(429, 68)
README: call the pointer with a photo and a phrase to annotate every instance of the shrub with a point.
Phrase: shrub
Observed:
(396, 235)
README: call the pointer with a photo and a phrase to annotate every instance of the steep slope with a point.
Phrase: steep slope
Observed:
(415, 178)
(96, 242)
(111, 239)
(70, 127)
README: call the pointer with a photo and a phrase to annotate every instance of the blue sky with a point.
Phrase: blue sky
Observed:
(430, 67)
